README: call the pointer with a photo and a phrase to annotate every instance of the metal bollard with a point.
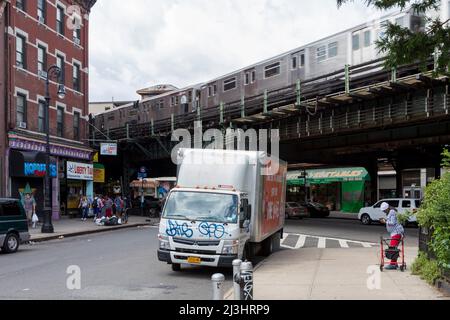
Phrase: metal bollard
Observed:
(246, 282)
(218, 279)
(237, 279)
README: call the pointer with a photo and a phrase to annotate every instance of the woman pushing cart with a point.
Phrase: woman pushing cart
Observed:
(397, 234)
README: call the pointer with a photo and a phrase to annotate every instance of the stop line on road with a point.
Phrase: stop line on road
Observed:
(297, 241)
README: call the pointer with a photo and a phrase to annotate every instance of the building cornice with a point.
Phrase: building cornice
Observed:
(86, 4)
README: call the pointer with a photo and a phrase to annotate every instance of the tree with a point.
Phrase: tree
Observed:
(403, 46)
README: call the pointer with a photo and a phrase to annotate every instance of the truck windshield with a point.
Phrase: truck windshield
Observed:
(211, 207)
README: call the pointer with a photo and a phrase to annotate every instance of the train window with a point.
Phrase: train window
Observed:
(209, 91)
(332, 49)
(321, 53)
(272, 70)
(161, 104)
(355, 41)
(399, 21)
(294, 62)
(229, 84)
(367, 39)
(302, 60)
(253, 76)
(247, 78)
(214, 89)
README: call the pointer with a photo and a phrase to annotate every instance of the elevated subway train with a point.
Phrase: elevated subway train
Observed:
(353, 46)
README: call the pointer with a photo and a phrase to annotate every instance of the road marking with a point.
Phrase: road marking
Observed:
(343, 244)
(322, 242)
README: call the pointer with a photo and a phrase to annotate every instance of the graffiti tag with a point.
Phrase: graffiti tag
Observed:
(179, 230)
(212, 230)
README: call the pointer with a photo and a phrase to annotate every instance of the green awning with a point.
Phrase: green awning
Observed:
(324, 176)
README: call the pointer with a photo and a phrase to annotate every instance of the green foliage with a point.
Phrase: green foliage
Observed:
(403, 46)
(427, 269)
(403, 218)
(446, 158)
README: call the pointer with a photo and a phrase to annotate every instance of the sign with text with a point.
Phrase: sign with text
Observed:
(80, 171)
(108, 149)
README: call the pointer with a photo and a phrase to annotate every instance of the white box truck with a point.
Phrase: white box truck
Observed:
(226, 205)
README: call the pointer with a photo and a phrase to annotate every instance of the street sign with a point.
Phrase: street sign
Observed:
(142, 174)
(108, 149)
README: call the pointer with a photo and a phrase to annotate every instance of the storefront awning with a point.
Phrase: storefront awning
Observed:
(324, 176)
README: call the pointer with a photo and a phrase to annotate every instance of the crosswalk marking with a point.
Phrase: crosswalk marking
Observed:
(301, 242)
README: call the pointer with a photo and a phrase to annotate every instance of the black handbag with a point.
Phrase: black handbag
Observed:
(392, 253)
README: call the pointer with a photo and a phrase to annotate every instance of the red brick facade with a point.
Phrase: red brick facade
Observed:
(27, 82)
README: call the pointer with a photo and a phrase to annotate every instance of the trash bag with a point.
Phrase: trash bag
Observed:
(35, 218)
(113, 221)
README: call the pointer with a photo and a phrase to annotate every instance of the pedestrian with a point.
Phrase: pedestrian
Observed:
(119, 205)
(108, 207)
(84, 206)
(29, 204)
(395, 230)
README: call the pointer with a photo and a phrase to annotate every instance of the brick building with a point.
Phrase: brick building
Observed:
(38, 34)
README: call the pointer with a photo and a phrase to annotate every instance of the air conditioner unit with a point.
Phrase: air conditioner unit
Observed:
(22, 125)
(41, 20)
(77, 41)
(42, 74)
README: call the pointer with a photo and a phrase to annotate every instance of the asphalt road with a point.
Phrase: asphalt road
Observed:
(346, 229)
(114, 265)
(122, 264)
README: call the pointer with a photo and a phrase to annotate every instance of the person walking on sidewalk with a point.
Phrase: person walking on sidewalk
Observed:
(394, 228)
(84, 206)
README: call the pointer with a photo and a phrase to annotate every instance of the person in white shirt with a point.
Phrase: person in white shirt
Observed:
(394, 228)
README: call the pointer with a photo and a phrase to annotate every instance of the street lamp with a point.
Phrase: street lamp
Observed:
(56, 73)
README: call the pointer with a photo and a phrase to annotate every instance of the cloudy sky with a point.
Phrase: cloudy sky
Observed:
(183, 42)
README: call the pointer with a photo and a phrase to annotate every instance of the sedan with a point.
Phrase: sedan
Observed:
(294, 209)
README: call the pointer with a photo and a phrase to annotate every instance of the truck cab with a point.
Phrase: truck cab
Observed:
(202, 226)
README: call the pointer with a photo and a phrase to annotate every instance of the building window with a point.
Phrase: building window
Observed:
(247, 78)
(229, 84)
(355, 41)
(60, 20)
(22, 5)
(253, 76)
(41, 116)
(21, 52)
(42, 59)
(321, 53)
(41, 11)
(294, 62)
(60, 122)
(272, 70)
(367, 39)
(77, 35)
(76, 77)
(332, 49)
(302, 60)
(21, 110)
(76, 126)
(60, 62)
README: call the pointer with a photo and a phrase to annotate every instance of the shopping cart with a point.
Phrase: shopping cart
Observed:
(388, 252)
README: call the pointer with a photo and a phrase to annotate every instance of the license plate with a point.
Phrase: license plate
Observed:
(194, 260)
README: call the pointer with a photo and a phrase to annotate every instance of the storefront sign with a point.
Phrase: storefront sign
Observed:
(30, 164)
(16, 142)
(80, 171)
(108, 149)
(99, 173)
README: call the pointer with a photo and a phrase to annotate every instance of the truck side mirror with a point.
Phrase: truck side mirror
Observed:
(248, 213)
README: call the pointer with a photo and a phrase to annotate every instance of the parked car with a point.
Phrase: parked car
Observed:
(13, 225)
(316, 210)
(372, 214)
(295, 210)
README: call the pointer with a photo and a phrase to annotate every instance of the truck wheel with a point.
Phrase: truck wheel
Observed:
(268, 247)
(11, 243)
(176, 267)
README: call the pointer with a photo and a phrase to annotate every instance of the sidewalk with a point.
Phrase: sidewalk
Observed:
(335, 274)
(75, 227)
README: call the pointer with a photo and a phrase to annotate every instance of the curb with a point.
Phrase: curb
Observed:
(81, 233)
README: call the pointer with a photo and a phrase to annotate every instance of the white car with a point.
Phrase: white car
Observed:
(371, 214)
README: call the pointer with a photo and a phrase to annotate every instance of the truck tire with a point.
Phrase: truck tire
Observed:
(267, 247)
(176, 267)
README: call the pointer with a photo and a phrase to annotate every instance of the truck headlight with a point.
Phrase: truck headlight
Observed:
(230, 247)
(164, 243)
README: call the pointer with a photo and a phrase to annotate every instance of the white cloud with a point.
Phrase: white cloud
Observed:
(183, 42)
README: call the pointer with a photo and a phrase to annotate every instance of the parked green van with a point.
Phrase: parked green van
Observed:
(13, 225)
